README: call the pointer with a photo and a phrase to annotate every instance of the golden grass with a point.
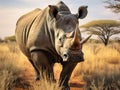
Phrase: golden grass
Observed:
(100, 70)
(44, 84)
(13, 67)
(9, 67)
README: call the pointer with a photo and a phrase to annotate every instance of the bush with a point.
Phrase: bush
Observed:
(44, 84)
(10, 38)
(9, 69)
(13, 69)
(101, 68)
(1, 40)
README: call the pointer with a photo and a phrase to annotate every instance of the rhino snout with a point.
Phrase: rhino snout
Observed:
(73, 56)
(65, 56)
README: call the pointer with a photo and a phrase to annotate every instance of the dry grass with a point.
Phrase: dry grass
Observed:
(9, 67)
(13, 67)
(100, 70)
(44, 84)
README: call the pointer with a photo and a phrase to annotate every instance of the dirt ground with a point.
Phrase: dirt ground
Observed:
(75, 83)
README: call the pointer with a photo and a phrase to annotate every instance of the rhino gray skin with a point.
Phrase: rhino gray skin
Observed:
(49, 36)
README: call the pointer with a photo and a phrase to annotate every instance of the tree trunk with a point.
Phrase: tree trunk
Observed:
(106, 41)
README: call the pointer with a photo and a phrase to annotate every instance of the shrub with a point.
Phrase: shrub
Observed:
(10, 38)
(101, 68)
(9, 69)
(44, 84)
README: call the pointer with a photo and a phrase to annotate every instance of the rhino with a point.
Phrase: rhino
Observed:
(52, 36)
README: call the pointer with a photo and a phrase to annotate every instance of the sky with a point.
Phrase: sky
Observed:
(11, 10)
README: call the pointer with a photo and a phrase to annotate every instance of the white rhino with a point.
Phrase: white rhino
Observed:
(49, 36)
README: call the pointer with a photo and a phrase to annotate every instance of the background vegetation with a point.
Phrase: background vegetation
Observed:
(103, 29)
(114, 5)
(99, 71)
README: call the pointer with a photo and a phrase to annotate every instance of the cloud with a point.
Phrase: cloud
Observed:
(30, 1)
(38, 3)
(109, 14)
(9, 17)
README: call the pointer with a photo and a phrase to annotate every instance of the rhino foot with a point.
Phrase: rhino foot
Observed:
(37, 78)
(66, 88)
(54, 81)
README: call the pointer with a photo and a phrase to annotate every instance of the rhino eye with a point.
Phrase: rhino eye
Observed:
(61, 39)
(60, 42)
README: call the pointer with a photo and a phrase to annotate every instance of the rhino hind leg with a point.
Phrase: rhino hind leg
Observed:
(42, 65)
(66, 88)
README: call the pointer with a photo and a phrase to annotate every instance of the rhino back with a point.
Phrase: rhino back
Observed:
(32, 33)
(23, 27)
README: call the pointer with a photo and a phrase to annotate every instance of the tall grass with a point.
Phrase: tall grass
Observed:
(101, 68)
(99, 71)
(45, 84)
(9, 67)
(13, 64)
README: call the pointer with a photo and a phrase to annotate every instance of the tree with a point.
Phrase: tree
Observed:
(9, 38)
(104, 29)
(114, 5)
(1, 40)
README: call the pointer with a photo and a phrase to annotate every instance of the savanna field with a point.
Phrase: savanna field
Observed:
(99, 71)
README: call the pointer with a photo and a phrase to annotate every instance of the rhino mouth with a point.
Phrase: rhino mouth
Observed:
(73, 56)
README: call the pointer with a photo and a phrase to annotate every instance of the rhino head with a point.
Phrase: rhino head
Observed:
(69, 45)
(68, 41)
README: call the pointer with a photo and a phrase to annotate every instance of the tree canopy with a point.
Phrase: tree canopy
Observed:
(104, 29)
(101, 22)
(114, 5)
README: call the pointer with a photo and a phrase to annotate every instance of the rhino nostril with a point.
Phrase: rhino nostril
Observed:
(65, 55)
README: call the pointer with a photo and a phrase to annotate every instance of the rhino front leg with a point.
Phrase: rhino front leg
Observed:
(43, 65)
(37, 77)
(65, 75)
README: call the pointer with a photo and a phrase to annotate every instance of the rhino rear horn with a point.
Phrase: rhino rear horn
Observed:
(85, 40)
(70, 35)
(53, 11)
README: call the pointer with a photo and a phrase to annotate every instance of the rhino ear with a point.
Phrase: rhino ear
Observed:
(53, 11)
(82, 12)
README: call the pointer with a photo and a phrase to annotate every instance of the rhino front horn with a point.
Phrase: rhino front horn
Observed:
(75, 41)
(85, 40)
